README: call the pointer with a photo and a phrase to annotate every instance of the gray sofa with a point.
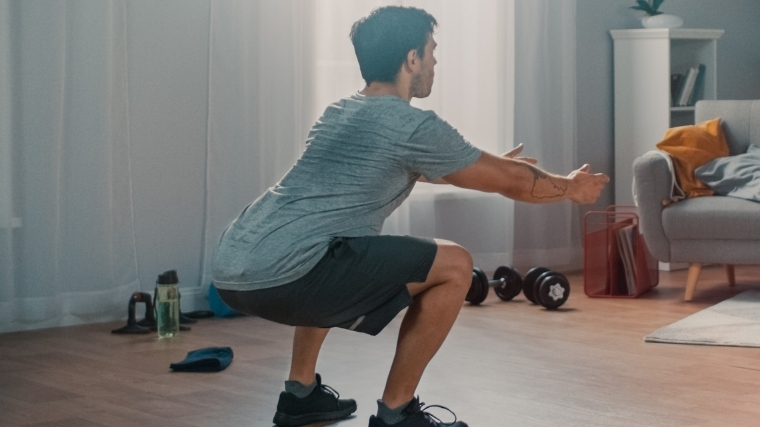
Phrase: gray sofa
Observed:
(714, 229)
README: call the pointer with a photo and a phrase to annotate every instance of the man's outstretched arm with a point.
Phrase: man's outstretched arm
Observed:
(521, 180)
(512, 154)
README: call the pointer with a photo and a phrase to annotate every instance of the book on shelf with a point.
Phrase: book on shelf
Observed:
(690, 79)
(687, 88)
(699, 85)
(676, 80)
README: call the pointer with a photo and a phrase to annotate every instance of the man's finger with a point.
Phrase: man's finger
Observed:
(606, 178)
(515, 151)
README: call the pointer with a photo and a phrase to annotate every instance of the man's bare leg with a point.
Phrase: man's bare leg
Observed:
(307, 342)
(428, 320)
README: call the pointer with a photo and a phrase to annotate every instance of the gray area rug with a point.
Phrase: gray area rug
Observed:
(733, 322)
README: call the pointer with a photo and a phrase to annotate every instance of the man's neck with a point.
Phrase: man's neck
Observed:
(395, 89)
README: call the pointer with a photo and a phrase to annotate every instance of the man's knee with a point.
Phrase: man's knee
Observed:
(452, 267)
(458, 262)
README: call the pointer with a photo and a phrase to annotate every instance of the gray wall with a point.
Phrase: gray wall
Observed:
(738, 64)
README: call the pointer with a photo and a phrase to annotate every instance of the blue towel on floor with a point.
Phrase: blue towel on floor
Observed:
(210, 359)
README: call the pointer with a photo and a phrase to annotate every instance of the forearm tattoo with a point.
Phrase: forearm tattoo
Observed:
(544, 187)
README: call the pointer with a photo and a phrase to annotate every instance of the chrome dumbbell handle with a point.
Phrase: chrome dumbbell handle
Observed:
(497, 283)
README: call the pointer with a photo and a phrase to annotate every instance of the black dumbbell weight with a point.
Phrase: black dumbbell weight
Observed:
(553, 290)
(510, 283)
(506, 283)
(479, 287)
(546, 288)
(529, 281)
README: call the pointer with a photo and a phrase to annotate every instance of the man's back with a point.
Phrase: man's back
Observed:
(361, 161)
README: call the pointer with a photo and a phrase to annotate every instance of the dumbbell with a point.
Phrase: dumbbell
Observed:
(540, 286)
(506, 282)
(546, 288)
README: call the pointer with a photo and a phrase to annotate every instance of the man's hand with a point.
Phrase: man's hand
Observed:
(586, 186)
(512, 154)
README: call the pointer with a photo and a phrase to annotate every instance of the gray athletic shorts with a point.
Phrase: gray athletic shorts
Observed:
(359, 284)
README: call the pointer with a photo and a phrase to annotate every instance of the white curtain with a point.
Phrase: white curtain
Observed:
(6, 175)
(546, 235)
(67, 230)
(261, 72)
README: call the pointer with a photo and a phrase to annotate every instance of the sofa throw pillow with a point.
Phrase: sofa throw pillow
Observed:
(691, 147)
(736, 176)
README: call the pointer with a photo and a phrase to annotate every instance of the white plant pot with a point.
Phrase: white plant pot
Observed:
(661, 21)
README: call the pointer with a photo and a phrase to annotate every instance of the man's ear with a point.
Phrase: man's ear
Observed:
(412, 62)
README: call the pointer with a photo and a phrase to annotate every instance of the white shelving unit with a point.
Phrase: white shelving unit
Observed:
(644, 59)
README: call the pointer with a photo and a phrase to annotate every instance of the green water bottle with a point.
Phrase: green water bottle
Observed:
(167, 304)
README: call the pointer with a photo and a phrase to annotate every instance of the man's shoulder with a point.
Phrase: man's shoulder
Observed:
(383, 116)
(392, 112)
(382, 103)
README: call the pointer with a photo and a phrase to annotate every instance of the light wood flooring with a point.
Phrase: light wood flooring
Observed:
(504, 364)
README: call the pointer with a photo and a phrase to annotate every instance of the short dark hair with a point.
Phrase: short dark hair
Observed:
(384, 38)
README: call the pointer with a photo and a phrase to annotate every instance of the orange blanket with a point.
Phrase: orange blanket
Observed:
(690, 147)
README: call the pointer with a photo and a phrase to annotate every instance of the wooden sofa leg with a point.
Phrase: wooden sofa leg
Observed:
(731, 275)
(691, 280)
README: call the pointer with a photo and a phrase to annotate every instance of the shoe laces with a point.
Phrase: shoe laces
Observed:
(327, 389)
(432, 419)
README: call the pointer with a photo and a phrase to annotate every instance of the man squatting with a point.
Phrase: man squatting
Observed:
(309, 253)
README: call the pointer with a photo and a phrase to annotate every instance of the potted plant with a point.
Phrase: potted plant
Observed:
(654, 18)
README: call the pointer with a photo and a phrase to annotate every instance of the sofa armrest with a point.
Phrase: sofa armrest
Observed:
(653, 185)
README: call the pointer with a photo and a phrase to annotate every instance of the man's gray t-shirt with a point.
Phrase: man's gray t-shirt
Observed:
(362, 159)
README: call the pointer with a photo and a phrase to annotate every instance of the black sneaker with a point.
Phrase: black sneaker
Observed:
(321, 405)
(415, 416)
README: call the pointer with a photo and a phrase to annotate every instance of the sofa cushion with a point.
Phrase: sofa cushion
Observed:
(713, 217)
(691, 147)
(736, 176)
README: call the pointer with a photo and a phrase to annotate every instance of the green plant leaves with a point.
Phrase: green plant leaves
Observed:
(645, 6)
(649, 8)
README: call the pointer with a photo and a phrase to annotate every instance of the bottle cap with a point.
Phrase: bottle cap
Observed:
(168, 278)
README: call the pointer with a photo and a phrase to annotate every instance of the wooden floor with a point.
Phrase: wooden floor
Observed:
(504, 364)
